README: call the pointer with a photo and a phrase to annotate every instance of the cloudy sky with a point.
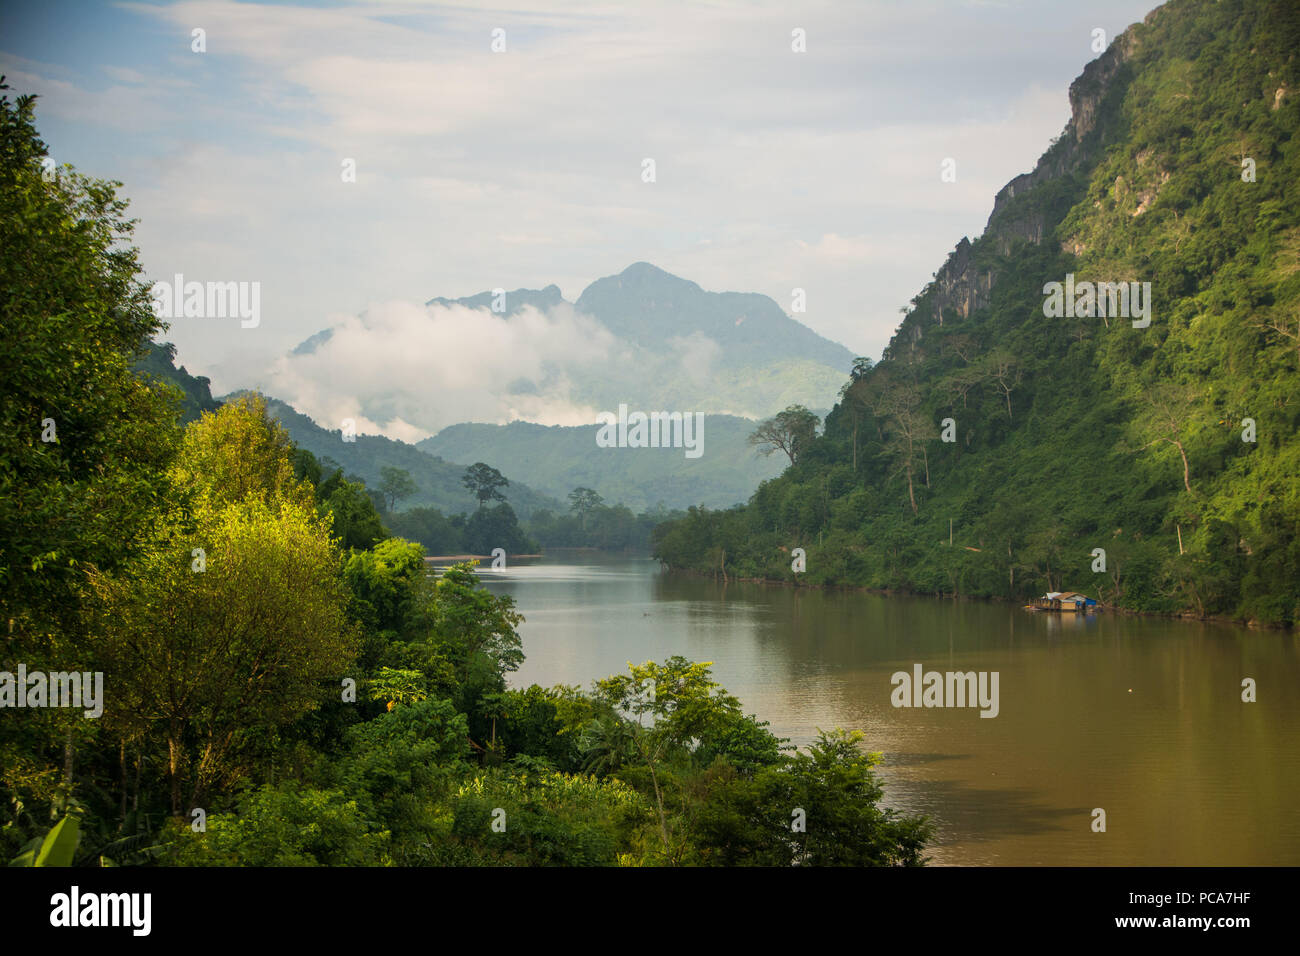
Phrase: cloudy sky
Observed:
(477, 169)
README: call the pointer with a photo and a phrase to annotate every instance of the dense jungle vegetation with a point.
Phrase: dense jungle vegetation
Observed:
(993, 449)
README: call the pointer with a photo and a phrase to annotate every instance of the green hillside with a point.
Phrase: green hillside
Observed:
(438, 482)
(196, 393)
(558, 459)
(1075, 434)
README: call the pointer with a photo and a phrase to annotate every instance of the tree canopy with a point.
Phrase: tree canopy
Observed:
(485, 483)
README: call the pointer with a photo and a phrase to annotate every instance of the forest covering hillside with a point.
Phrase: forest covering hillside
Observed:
(995, 448)
(357, 480)
(558, 459)
(438, 483)
(160, 363)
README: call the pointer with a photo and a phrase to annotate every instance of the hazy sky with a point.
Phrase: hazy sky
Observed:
(476, 169)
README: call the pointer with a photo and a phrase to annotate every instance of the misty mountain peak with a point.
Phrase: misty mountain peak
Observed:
(674, 345)
(643, 274)
(648, 306)
(540, 299)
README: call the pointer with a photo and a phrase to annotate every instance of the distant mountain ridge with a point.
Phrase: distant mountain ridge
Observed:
(438, 482)
(643, 304)
(515, 301)
(677, 347)
(558, 459)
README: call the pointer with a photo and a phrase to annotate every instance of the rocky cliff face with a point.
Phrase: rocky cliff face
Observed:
(961, 285)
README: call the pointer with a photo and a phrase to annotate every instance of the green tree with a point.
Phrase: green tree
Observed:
(84, 440)
(353, 519)
(236, 454)
(475, 631)
(396, 485)
(388, 586)
(819, 808)
(583, 501)
(484, 483)
(212, 654)
(665, 707)
(790, 431)
(490, 528)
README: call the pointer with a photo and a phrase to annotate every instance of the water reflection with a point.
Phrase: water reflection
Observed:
(1141, 717)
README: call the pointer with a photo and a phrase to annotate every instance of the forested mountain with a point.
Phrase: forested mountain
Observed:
(436, 509)
(996, 446)
(558, 459)
(160, 362)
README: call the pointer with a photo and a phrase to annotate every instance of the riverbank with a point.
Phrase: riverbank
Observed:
(991, 599)
(1117, 711)
(457, 558)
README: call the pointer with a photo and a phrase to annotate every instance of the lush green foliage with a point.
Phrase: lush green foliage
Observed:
(1078, 434)
(284, 683)
(82, 438)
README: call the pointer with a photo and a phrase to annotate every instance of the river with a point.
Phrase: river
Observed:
(1142, 718)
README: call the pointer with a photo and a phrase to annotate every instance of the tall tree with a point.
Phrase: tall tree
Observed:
(584, 501)
(1169, 416)
(355, 521)
(1004, 369)
(212, 654)
(237, 453)
(790, 431)
(911, 428)
(396, 485)
(667, 706)
(852, 398)
(484, 483)
(83, 438)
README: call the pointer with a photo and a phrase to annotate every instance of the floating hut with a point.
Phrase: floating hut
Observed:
(1064, 601)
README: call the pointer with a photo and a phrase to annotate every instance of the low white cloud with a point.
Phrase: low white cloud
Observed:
(407, 371)
(475, 170)
(696, 352)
